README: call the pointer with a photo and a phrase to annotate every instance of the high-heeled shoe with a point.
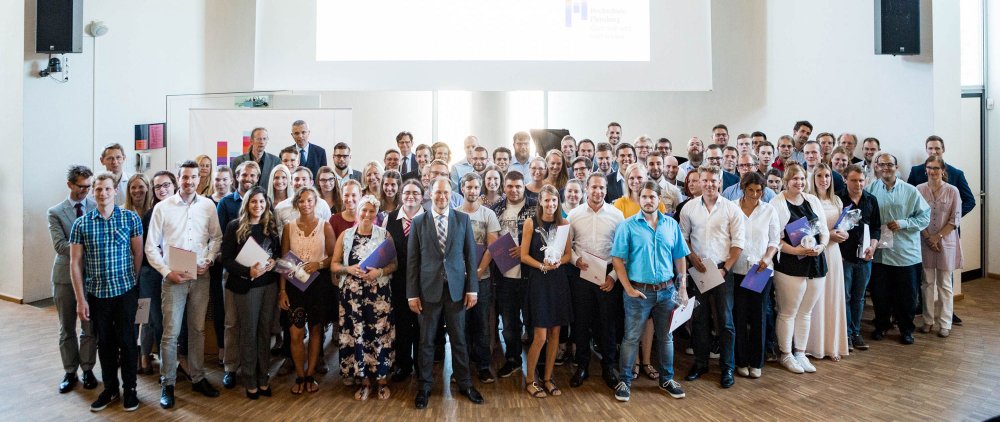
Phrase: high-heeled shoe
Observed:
(254, 395)
(264, 392)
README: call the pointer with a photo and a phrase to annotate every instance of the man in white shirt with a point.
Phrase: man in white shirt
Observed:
(189, 222)
(464, 166)
(113, 158)
(285, 212)
(714, 231)
(655, 167)
(596, 308)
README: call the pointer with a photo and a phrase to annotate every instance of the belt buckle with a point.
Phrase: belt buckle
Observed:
(658, 286)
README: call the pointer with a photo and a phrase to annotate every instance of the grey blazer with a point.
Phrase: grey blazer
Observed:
(61, 219)
(268, 163)
(425, 260)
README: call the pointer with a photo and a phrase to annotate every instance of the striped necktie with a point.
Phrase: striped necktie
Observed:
(442, 231)
(406, 226)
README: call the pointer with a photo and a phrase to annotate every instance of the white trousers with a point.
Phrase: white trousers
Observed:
(796, 297)
(939, 297)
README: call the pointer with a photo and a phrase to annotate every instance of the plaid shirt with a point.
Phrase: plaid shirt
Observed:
(109, 269)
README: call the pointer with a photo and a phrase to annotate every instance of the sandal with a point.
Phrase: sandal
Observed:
(651, 372)
(311, 385)
(536, 391)
(362, 393)
(554, 391)
(299, 386)
(383, 392)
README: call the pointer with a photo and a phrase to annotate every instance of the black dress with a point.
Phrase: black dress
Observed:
(810, 266)
(548, 303)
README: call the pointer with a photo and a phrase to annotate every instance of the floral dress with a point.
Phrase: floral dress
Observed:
(367, 329)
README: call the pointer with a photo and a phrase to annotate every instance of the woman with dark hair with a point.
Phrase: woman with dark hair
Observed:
(492, 186)
(254, 288)
(388, 195)
(547, 306)
(329, 188)
(164, 186)
(941, 248)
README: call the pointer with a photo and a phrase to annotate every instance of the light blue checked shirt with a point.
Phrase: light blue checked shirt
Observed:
(109, 266)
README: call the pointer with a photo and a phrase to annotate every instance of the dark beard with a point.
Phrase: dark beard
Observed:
(696, 157)
(340, 167)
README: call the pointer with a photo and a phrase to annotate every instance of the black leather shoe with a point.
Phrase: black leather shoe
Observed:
(167, 396)
(205, 388)
(472, 394)
(727, 378)
(229, 380)
(264, 392)
(610, 377)
(89, 380)
(69, 381)
(906, 338)
(400, 375)
(579, 377)
(878, 335)
(422, 398)
(696, 372)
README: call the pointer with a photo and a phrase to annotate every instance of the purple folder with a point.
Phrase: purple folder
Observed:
(794, 231)
(500, 250)
(296, 277)
(480, 252)
(843, 214)
(756, 280)
(380, 257)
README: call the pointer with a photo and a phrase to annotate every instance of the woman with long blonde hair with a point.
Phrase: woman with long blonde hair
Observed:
(139, 197)
(205, 187)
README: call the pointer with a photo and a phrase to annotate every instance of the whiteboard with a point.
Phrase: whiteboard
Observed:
(220, 134)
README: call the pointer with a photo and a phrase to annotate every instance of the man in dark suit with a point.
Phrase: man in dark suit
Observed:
(441, 279)
(421, 157)
(934, 146)
(342, 164)
(311, 156)
(624, 156)
(78, 349)
(399, 224)
(713, 156)
(266, 161)
(407, 159)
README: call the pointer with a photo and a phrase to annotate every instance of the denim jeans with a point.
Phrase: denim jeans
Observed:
(477, 324)
(701, 325)
(660, 305)
(510, 302)
(188, 298)
(856, 275)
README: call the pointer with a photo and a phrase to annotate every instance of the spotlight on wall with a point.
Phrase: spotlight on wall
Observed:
(55, 66)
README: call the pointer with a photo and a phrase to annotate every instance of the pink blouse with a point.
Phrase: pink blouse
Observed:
(946, 207)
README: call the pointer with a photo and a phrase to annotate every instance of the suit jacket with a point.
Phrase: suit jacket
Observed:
(315, 158)
(408, 165)
(615, 190)
(268, 162)
(425, 262)
(61, 218)
(729, 179)
(415, 174)
(400, 241)
(956, 177)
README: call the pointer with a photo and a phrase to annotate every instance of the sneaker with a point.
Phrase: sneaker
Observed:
(508, 369)
(622, 391)
(485, 376)
(944, 332)
(673, 388)
(716, 349)
(754, 372)
(791, 364)
(130, 400)
(771, 356)
(743, 371)
(106, 398)
(850, 344)
(926, 328)
(859, 343)
(804, 363)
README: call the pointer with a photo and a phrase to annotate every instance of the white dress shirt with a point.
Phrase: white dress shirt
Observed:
(285, 213)
(594, 232)
(712, 233)
(761, 232)
(190, 226)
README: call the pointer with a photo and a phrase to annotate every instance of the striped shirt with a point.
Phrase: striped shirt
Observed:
(109, 266)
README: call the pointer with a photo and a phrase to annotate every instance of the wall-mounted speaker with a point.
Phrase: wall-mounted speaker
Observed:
(897, 27)
(59, 26)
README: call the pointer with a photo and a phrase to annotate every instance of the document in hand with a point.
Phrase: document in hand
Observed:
(756, 280)
(380, 257)
(796, 231)
(183, 261)
(682, 314)
(597, 269)
(500, 250)
(293, 269)
(252, 254)
(866, 239)
(706, 280)
(142, 311)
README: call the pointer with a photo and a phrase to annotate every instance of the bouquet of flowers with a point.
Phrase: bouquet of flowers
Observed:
(552, 252)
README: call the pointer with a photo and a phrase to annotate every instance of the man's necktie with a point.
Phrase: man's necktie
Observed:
(406, 226)
(442, 231)
(79, 210)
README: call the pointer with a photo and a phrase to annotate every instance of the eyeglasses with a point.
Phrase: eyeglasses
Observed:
(341, 155)
(162, 186)
(886, 165)
(744, 166)
(84, 187)
(326, 180)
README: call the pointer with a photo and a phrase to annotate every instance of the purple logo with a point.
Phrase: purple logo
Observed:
(578, 8)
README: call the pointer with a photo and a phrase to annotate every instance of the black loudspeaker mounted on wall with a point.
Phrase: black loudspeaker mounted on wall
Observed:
(59, 26)
(546, 139)
(897, 27)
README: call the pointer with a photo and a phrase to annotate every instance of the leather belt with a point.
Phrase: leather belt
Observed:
(650, 287)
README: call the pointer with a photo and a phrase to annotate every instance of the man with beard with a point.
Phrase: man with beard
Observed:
(586, 148)
(479, 159)
(655, 172)
(695, 155)
(341, 164)
(522, 156)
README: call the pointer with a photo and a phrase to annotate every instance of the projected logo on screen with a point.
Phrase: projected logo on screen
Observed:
(483, 30)
(578, 8)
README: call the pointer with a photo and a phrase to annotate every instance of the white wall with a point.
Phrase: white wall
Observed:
(993, 130)
(12, 172)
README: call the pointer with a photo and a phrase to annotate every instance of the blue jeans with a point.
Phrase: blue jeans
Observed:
(478, 327)
(856, 275)
(510, 302)
(660, 305)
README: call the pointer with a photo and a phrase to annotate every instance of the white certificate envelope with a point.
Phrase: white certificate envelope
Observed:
(142, 311)
(708, 280)
(866, 239)
(597, 269)
(682, 314)
(252, 254)
(183, 261)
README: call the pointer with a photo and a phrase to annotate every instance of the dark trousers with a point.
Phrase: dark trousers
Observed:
(216, 294)
(701, 325)
(894, 294)
(510, 294)
(595, 313)
(770, 317)
(256, 309)
(114, 323)
(477, 320)
(454, 316)
(407, 334)
(750, 317)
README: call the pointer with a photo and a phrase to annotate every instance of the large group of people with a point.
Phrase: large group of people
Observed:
(583, 250)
